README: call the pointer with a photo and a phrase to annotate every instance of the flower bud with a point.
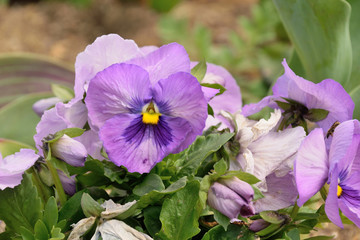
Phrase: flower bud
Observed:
(258, 225)
(231, 198)
(69, 150)
(68, 183)
(44, 104)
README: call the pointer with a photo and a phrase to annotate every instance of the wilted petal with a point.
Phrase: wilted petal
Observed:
(70, 151)
(115, 229)
(311, 165)
(273, 149)
(42, 105)
(120, 88)
(163, 62)
(137, 146)
(180, 95)
(13, 166)
(281, 193)
(81, 227)
(114, 209)
(102, 53)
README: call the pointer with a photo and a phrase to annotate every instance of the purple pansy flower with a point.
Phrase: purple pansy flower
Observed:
(328, 95)
(339, 166)
(232, 197)
(13, 167)
(146, 112)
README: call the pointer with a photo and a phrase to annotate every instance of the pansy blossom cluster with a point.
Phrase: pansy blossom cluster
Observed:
(153, 145)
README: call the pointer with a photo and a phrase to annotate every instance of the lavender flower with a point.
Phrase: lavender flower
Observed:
(339, 166)
(232, 197)
(13, 167)
(328, 95)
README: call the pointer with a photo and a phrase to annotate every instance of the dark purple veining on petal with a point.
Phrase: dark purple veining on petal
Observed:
(161, 132)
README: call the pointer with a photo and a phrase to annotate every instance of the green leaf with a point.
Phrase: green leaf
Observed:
(17, 119)
(151, 219)
(233, 232)
(199, 70)
(151, 182)
(163, 5)
(26, 234)
(41, 233)
(198, 151)
(62, 92)
(8, 147)
(210, 110)
(215, 86)
(56, 234)
(29, 73)
(50, 217)
(283, 105)
(244, 176)
(320, 238)
(220, 167)
(272, 217)
(321, 40)
(180, 213)
(71, 132)
(20, 206)
(355, 95)
(316, 114)
(355, 39)
(90, 207)
(223, 220)
(293, 234)
(71, 211)
(270, 230)
(257, 193)
(153, 197)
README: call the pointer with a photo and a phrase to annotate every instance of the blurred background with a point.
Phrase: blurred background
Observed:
(244, 36)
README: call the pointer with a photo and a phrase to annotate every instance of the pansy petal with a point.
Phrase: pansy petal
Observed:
(350, 211)
(73, 113)
(138, 146)
(281, 193)
(340, 145)
(163, 62)
(120, 88)
(328, 95)
(230, 100)
(50, 123)
(311, 165)
(332, 202)
(90, 139)
(180, 95)
(252, 108)
(13, 166)
(148, 49)
(103, 52)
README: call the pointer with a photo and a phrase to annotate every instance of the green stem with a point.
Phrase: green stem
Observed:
(323, 193)
(57, 182)
(294, 211)
(39, 185)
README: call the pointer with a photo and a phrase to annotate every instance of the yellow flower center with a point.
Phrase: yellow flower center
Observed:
(339, 191)
(150, 114)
